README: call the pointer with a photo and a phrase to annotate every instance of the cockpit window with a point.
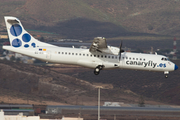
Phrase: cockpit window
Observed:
(165, 59)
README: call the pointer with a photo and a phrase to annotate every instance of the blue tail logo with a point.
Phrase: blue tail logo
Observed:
(16, 30)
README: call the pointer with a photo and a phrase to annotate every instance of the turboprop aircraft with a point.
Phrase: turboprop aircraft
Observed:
(99, 56)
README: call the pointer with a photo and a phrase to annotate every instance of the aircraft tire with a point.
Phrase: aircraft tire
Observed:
(166, 75)
(96, 71)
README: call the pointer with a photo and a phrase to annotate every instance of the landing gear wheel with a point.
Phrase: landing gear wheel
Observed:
(97, 69)
(166, 75)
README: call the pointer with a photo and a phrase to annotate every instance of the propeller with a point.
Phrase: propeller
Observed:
(120, 51)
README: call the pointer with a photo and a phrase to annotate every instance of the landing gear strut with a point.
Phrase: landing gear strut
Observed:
(97, 69)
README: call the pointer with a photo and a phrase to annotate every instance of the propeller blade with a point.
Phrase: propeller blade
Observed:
(120, 51)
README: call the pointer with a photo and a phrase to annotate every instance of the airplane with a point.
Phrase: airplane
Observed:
(99, 56)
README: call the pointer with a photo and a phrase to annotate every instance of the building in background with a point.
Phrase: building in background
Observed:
(17, 117)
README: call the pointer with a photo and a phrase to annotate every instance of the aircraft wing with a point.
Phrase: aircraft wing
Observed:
(99, 45)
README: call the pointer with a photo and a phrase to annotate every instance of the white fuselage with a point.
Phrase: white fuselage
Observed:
(83, 57)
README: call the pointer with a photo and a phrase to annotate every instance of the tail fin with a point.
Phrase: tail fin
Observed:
(18, 36)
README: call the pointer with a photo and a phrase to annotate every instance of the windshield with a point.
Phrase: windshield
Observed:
(165, 59)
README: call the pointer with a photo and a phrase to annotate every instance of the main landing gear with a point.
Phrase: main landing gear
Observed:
(166, 73)
(98, 69)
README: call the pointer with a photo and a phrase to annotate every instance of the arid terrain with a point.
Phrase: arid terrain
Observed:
(140, 24)
(88, 19)
(136, 22)
(61, 84)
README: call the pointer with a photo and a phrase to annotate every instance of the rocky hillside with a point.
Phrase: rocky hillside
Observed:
(44, 85)
(143, 16)
(76, 85)
(40, 82)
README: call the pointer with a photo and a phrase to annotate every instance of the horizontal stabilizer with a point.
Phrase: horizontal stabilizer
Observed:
(13, 22)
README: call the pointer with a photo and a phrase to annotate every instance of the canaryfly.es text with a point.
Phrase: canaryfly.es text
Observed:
(139, 63)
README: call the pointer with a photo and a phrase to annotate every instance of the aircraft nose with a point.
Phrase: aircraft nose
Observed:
(175, 67)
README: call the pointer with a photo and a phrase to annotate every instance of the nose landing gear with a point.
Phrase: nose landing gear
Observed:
(166, 73)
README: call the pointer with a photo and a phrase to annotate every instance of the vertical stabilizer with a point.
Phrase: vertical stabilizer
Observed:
(19, 37)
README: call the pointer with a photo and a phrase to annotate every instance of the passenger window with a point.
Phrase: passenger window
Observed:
(94, 55)
(144, 59)
(62, 52)
(136, 58)
(102, 56)
(105, 56)
(69, 53)
(140, 59)
(97, 55)
(130, 58)
(76, 53)
(87, 54)
(112, 57)
(108, 56)
(133, 58)
(72, 53)
(80, 54)
(126, 57)
(65, 52)
(91, 55)
(83, 54)
(58, 52)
